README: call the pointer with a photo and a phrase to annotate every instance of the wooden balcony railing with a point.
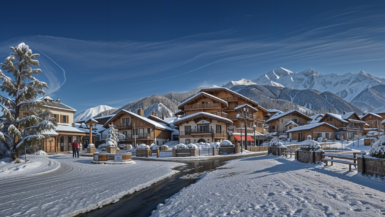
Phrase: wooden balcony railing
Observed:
(221, 114)
(203, 106)
(254, 117)
(231, 107)
(242, 130)
(123, 125)
(197, 131)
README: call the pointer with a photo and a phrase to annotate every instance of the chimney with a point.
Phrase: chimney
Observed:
(162, 116)
(140, 112)
(330, 110)
(344, 113)
(58, 100)
(154, 113)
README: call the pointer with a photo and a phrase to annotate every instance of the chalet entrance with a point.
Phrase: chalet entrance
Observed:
(201, 140)
(62, 143)
(299, 137)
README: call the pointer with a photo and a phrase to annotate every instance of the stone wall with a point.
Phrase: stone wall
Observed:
(226, 150)
(143, 153)
(308, 156)
(257, 148)
(371, 165)
(275, 150)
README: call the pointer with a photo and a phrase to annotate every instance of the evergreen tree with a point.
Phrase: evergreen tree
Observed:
(22, 88)
(112, 137)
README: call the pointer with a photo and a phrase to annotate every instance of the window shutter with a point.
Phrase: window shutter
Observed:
(61, 118)
(68, 119)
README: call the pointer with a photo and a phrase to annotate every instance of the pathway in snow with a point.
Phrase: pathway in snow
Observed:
(274, 186)
(77, 186)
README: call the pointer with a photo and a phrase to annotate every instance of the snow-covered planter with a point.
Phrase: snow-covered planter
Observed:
(192, 146)
(276, 147)
(276, 143)
(164, 148)
(91, 148)
(143, 147)
(378, 148)
(143, 150)
(226, 143)
(181, 146)
(310, 145)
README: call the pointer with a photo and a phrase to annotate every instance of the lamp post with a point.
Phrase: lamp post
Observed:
(245, 114)
(135, 135)
(255, 141)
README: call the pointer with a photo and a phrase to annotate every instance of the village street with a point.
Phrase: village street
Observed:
(77, 186)
(276, 186)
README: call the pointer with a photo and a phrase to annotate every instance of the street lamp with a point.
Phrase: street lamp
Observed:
(244, 112)
(255, 141)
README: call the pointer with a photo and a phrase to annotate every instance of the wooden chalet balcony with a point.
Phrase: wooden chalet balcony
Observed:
(254, 117)
(220, 114)
(232, 107)
(242, 130)
(123, 126)
(203, 106)
(197, 132)
(231, 99)
(350, 128)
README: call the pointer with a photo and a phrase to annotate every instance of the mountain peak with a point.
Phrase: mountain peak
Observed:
(91, 112)
(310, 71)
(240, 82)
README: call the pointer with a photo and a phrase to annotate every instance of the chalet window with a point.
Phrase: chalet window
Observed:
(273, 127)
(219, 128)
(148, 130)
(289, 128)
(64, 119)
(187, 130)
(203, 102)
(203, 128)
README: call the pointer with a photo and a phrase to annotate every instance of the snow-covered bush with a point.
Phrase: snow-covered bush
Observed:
(283, 137)
(180, 146)
(226, 143)
(310, 145)
(276, 143)
(143, 147)
(378, 148)
(192, 146)
(40, 152)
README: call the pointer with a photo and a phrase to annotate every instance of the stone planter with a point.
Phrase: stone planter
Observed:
(91, 150)
(111, 150)
(371, 165)
(226, 150)
(275, 150)
(308, 156)
(143, 153)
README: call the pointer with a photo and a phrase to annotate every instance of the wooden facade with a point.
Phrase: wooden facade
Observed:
(278, 124)
(347, 128)
(138, 129)
(323, 131)
(374, 122)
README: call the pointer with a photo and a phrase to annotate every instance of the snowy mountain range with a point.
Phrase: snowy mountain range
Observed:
(91, 112)
(240, 82)
(347, 86)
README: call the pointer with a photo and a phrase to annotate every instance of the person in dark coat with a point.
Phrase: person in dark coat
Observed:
(75, 149)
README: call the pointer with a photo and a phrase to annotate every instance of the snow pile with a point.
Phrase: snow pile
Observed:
(143, 147)
(40, 152)
(154, 147)
(283, 137)
(226, 143)
(310, 145)
(110, 144)
(372, 133)
(378, 148)
(91, 146)
(181, 146)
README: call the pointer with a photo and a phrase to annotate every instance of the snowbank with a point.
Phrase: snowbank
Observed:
(192, 146)
(181, 146)
(40, 152)
(154, 147)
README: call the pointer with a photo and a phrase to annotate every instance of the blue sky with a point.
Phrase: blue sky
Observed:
(110, 52)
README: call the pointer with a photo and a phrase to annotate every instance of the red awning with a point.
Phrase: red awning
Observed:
(238, 138)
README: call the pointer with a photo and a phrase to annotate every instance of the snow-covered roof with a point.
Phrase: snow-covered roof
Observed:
(383, 122)
(66, 128)
(347, 115)
(91, 120)
(205, 114)
(274, 111)
(310, 126)
(379, 111)
(370, 113)
(203, 93)
(280, 115)
(291, 122)
(50, 103)
(50, 133)
(316, 118)
(338, 117)
(98, 128)
(245, 105)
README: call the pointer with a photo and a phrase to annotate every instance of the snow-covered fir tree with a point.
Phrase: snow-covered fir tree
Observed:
(24, 120)
(112, 137)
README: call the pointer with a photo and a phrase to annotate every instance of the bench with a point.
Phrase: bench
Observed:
(342, 156)
(326, 160)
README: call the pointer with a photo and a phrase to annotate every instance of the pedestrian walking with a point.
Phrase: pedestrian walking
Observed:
(75, 149)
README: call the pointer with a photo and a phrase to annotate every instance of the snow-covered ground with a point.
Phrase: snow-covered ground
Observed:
(357, 145)
(36, 165)
(275, 186)
(77, 186)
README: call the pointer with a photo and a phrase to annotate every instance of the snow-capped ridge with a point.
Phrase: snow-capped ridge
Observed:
(91, 112)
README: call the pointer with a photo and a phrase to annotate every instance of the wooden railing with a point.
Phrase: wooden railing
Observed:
(203, 106)
(197, 131)
(242, 130)
(123, 125)
(221, 114)
(231, 107)
(254, 117)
